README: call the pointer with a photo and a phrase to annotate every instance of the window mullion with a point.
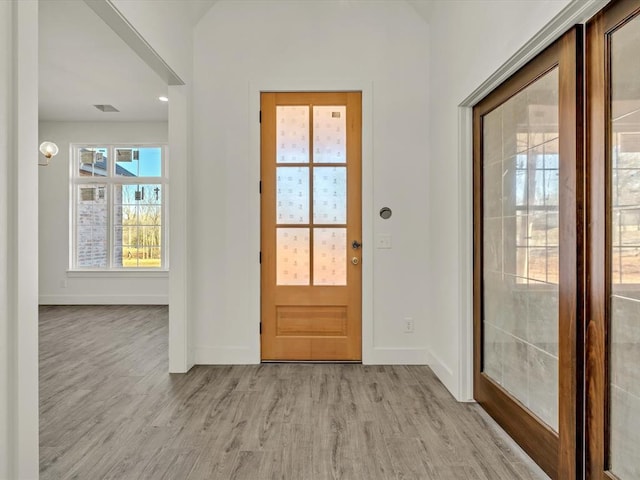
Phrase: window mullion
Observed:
(110, 223)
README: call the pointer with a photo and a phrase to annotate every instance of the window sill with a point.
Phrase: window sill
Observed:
(118, 273)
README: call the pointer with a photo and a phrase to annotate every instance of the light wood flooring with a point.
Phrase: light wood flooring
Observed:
(110, 410)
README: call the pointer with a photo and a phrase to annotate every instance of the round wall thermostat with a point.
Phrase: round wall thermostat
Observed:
(385, 213)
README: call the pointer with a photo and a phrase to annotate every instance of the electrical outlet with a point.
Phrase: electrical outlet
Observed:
(63, 283)
(408, 325)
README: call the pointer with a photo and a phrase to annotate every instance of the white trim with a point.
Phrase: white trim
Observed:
(133, 273)
(226, 356)
(445, 374)
(177, 255)
(465, 254)
(23, 268)
(398, 356)
(103, 300)
(285, 85)
(368, 219)
(249, 356)
(578, 11)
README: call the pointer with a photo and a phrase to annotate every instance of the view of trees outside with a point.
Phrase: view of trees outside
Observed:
(138, 233)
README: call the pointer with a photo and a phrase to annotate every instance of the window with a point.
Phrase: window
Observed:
(118, 209)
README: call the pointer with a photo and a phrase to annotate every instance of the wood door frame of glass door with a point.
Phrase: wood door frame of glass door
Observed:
(559, 455)
(598, 235)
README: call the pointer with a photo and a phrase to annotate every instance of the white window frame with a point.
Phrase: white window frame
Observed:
(111, 181)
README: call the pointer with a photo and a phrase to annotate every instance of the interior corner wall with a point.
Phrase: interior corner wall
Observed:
(180, 331)
(56, 285)
(474, 39)
(240, 46)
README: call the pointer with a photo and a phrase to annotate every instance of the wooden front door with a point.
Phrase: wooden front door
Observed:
(311, 231)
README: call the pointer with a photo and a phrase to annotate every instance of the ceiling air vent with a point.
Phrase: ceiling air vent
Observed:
(106, 108)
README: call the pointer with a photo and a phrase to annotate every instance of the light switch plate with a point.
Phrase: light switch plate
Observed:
(383, 241)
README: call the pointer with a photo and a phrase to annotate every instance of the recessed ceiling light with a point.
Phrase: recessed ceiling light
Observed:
(163, 99)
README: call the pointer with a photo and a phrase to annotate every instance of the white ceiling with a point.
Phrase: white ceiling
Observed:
(422, 8)
(198, 8)
(83, 63)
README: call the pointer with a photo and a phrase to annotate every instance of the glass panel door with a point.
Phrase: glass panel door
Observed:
(624, 215)
(520, 174)
(527, 203)
(613, 267)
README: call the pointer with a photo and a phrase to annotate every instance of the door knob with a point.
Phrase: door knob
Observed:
(356, 244)
(355, 260)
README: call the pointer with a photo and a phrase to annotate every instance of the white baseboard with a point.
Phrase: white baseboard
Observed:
(103, 300)
(445, 375)
(246, 355)
(226, 356)
(396, 356)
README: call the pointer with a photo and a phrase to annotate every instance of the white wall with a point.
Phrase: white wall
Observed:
(166, 26)
(18, 240)
(474, 39)
(87, 288)
(241, 47)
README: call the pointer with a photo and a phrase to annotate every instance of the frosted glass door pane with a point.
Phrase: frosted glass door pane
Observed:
(330, 195)
(292, 195)
(292, 256)
(292, 135)
(624, 333)
(520, 246)
(329, 134)
(329, 256)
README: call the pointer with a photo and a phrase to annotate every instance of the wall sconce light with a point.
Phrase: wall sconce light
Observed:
(48, 149)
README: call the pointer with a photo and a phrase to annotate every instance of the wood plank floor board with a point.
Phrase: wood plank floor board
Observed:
(109, 410)
(217, 454)
(295, 458)
(377, 462)
(405, 455)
